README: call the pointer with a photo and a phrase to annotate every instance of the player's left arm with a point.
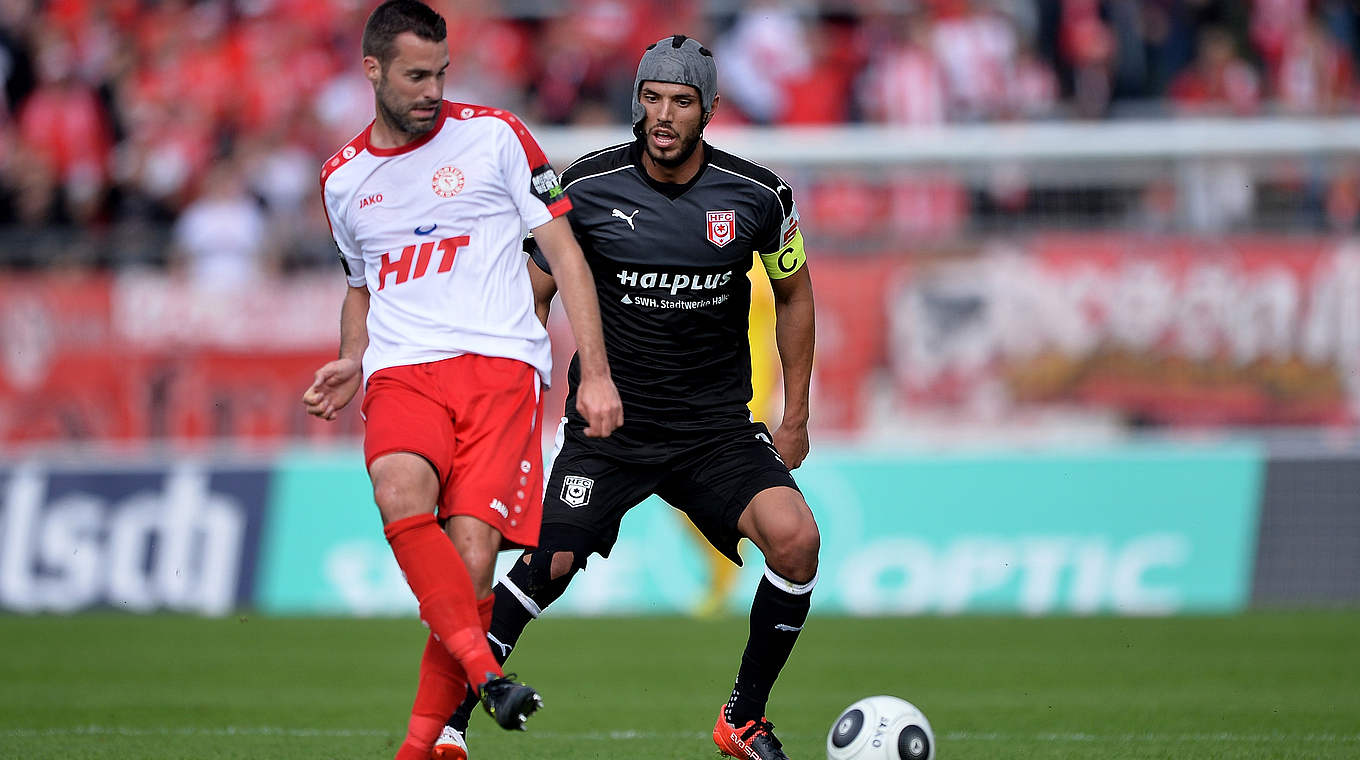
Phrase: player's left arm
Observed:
(795, 328)
(795, 323)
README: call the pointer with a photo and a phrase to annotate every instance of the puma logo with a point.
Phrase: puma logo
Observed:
(626, 217)
(504, 647)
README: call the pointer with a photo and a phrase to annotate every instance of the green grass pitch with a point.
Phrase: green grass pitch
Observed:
(1262, 685)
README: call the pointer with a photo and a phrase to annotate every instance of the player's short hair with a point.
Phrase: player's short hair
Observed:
(394, 17)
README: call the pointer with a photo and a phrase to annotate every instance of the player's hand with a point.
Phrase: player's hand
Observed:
(598, 402)
(335, 384)
(791, 441)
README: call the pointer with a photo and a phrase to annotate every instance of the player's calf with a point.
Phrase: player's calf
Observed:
(778, 612)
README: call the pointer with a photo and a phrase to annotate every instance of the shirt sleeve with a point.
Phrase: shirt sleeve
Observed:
(530, 179)
(351, 258)
(783, 253)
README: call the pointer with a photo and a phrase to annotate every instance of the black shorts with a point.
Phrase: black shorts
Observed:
(711, 478)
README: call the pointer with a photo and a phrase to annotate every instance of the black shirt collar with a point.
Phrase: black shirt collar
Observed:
(671, 190)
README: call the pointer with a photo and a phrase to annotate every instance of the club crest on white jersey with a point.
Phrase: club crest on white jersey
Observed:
(448, 181)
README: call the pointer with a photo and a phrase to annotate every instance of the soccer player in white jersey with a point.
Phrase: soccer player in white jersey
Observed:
(428, 206)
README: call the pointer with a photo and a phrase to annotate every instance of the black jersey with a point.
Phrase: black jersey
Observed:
(670, 264)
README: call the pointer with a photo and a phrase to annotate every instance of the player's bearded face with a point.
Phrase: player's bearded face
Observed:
(674, 121)
(414, 116)
(410, 89)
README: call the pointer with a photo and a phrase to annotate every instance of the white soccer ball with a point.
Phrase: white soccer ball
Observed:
(881, 728)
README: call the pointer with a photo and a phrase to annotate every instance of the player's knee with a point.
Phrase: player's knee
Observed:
(794, 553)
(536, 577)
(480, 562)
(403, 486)
(527, 576)
(395, 501)
(562, 564)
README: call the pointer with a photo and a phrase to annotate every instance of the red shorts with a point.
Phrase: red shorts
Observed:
(477, 420)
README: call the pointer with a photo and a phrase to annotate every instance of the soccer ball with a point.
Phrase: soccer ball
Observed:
(881, 728)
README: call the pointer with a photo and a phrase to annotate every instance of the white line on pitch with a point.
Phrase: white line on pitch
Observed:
(951, 736)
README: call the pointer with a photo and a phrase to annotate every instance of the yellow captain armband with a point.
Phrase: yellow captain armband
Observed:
(788, 259)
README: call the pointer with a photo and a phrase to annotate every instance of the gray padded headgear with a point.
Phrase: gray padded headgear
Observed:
(677, 60)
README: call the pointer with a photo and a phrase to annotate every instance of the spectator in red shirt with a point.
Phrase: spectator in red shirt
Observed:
(1315, 75)
(904, 84)
(1272, 24)
(1216, 195)
(763, 53)
(64, 130)
(1087, 45)
(822, 91)
(1218, 81)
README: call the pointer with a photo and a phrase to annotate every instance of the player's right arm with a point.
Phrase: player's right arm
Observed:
(597, 399)
(336, 382)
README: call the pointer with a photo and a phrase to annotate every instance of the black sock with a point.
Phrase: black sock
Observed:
(508, 621)
(509, 618)
(777, 616)
(511, 615)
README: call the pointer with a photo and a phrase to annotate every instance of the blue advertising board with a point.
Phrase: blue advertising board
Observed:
(178, 536)
(1133, 530)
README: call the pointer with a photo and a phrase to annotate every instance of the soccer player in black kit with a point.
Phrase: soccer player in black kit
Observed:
(668, 224)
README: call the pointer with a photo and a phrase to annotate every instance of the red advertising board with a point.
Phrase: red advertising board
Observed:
(1165, 331)
(1254, 331)
(141, 359)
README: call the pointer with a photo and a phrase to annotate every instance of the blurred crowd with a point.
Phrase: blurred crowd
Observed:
(208, 119)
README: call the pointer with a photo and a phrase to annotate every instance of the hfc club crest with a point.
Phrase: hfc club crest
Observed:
(576, 490)
(722, 226)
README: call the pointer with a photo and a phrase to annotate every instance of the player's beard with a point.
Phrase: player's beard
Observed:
(678, 154)
(398, 114)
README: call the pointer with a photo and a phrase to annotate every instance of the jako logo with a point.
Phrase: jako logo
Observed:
(133, 540)
(371, 200)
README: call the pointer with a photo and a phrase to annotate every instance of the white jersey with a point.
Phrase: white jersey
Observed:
(434, 230)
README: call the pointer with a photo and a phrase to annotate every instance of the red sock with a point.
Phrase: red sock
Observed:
(440, 581)
(485, 607)
(442, 687)
(409, 751)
